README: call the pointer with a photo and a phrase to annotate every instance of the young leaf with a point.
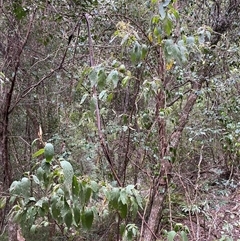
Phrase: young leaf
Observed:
(38, 153)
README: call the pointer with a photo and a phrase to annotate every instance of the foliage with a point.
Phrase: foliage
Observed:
(131, 94)
(51, 194)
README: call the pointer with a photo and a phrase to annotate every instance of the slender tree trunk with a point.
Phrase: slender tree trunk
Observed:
(160, 185)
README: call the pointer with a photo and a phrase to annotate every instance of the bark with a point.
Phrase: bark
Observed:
(160, 185)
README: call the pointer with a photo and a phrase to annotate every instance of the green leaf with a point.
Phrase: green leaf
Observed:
(77, 215)
(68, 219)
(35, 179)
(122, 208)
(94, 186)
(166, 3)
(93, 77)
(45, 166)
(68, 173)
(129, 189)
(87, 194)
(48, 152)
(113, 78)
(171, 235)
(25, 187)
(75, 186)
(56, 209)
(110, 97)
(162, 12)
(3, 201)
(103, 95)
(83, 98)
(33, 228)
(87, 219)
(38, 153)
(144, 51)
(136, 53)
(184, 236)
(101, 78)
(123, 197)
(167, 25)
(19, 11)
(125, 80)
(40, 173)
(122, 229)
(15, 188)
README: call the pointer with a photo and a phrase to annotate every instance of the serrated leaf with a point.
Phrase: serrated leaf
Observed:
(38, 153)
(87, 219)
(129, 189)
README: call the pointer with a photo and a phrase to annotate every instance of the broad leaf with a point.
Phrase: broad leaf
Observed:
(162, 11)
(68, 173)
(171, 235)
(68, 219)
(87, 219)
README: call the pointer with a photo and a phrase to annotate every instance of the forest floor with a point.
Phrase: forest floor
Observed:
(211, 207)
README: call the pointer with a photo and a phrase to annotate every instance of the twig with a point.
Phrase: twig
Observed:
(95, 97)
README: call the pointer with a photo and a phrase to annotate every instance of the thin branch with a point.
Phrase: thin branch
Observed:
(98, 116)
(176, 99)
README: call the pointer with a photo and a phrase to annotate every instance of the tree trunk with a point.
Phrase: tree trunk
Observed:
(159, 190)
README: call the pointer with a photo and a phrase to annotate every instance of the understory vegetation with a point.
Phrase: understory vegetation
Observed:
(119, 120)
